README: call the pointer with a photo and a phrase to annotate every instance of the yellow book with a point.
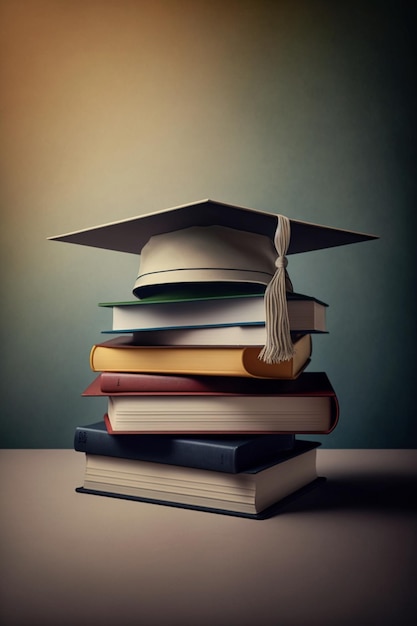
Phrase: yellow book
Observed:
(122, 355)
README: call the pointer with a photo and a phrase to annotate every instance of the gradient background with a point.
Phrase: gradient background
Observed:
(110, 109)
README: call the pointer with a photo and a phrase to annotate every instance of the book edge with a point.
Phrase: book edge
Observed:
(271, 511)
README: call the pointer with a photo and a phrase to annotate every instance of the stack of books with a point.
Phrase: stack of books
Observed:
(196, 417)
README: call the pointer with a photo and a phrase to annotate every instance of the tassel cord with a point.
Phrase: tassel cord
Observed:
(278, 346)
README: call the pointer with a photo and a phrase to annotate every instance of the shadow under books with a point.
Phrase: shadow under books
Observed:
(373, 493)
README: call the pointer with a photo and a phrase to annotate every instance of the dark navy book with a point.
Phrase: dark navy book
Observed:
(257, 493)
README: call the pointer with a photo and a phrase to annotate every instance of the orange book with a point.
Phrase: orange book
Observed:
(122, 355)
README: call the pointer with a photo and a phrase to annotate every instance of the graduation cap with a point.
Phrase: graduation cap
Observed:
(210, 242)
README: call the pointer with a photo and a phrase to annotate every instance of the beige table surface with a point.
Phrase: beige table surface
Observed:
(344, 554)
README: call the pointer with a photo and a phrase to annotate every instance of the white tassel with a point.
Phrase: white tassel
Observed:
(278, 346)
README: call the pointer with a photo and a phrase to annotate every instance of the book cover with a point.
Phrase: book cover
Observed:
(127, 383)
(232, 454)
(121, 354)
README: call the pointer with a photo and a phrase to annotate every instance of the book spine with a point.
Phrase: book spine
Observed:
(335, 412)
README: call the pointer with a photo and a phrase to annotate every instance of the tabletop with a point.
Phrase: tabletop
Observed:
(345, 553)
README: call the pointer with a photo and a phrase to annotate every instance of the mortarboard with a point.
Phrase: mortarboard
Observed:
(214, 242)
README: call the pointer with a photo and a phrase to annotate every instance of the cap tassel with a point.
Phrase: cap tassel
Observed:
(278, 346)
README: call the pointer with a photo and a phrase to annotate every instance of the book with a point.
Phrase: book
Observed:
(306, 314)
(227, 453)
(254, 493)
(305, 405)
(121, 354)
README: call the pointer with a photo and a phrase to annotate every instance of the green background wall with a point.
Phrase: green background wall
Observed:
(110, 109)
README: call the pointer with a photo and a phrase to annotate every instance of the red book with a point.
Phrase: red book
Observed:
(150, 403)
